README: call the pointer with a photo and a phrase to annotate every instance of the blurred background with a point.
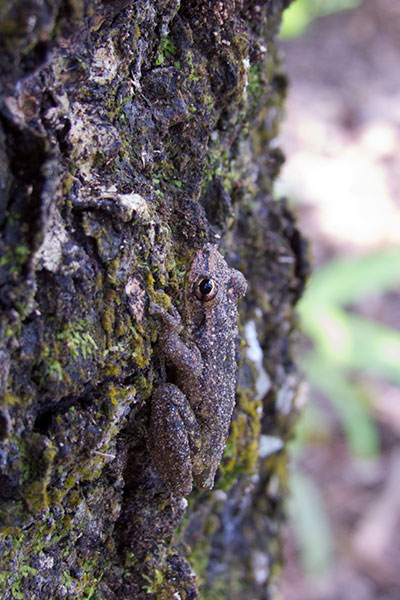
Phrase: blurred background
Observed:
(341, 137)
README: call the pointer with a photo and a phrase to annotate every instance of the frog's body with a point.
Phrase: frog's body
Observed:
(190, 418)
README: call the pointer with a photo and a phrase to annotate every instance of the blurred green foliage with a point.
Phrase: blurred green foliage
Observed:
(345, 345)
(345, 348)
(301, 12)
(310, 524)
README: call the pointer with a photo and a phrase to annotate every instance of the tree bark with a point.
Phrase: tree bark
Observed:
(133, 132)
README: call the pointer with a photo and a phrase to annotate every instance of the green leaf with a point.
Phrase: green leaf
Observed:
(344, 339)
(311, 427)
(301, 12)
(376, 348)
(353, 343)
(328, 328)
(350, 404)
(310, 524)
(346, 280)
(295, 20)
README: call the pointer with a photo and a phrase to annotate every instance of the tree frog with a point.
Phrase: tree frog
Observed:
(190, 415)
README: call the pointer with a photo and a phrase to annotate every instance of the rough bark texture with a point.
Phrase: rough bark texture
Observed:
(131, 133)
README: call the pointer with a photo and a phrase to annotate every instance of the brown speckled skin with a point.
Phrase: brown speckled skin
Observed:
(190, 419)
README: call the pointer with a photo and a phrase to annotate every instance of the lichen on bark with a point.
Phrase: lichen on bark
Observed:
(131, 133)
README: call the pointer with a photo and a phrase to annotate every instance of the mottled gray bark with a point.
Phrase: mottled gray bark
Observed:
(131, 133)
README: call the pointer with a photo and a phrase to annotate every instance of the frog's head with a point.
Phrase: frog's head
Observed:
(211, 282)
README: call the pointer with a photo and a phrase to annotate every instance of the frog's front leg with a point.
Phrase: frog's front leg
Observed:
(174, 436)
(185, 357)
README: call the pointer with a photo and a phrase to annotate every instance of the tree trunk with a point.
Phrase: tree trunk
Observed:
(132, 133)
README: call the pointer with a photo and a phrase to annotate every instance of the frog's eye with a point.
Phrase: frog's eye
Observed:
(205, 289)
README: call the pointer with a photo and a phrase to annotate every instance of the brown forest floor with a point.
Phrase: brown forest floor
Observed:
(342, 140)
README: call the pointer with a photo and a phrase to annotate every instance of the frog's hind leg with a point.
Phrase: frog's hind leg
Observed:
(173, 436)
